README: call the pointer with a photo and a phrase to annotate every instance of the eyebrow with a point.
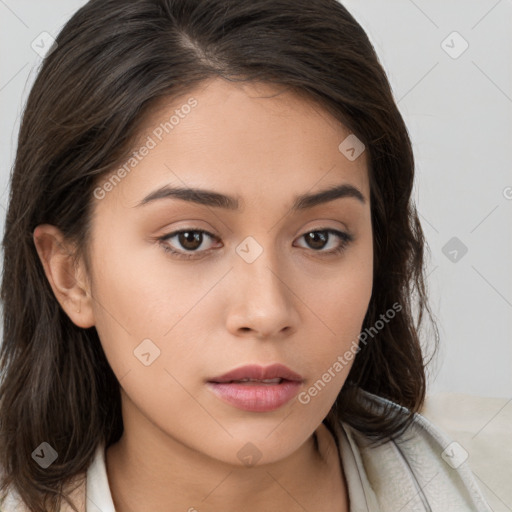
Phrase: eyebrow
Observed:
(217, 200)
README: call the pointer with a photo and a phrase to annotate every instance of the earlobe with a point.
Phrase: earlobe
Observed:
(64, 276)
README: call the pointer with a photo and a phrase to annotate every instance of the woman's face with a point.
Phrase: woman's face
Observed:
(254, 281)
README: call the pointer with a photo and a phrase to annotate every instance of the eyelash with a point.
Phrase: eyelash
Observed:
(345, 238)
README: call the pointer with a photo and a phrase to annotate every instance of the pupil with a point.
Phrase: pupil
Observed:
(314, 236)
(190, 244)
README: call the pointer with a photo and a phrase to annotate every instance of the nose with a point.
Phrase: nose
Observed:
(263, 303)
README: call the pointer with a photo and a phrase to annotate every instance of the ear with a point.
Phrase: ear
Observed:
(68, 281)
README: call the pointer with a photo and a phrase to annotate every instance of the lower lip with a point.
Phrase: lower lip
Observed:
(256, 397)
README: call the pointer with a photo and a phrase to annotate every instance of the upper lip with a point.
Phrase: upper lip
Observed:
(259, 372)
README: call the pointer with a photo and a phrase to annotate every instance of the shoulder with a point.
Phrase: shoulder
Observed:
(420, 469)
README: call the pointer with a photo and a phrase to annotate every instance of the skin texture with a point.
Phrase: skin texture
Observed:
(214, 312)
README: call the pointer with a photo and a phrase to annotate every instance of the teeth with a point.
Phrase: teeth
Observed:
(277, 380)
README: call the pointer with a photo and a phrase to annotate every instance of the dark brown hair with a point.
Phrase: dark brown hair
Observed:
(114, 61)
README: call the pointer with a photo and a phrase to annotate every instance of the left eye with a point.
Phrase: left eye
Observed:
(192, 239)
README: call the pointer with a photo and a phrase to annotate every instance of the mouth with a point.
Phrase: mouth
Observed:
(256, 388)
(272, 374)
(252, 381)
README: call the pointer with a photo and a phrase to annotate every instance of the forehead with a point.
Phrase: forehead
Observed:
(240, 137)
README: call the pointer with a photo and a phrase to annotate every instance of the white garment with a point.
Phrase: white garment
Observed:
(99, 498)
(408, 474)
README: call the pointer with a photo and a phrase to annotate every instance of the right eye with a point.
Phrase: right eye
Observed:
(189, 239)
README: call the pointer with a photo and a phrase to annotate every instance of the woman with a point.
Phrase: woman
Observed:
(211, 263)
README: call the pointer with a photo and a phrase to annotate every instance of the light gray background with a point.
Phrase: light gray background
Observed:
(458, 111)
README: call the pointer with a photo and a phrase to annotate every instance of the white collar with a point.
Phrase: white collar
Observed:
(99, 498)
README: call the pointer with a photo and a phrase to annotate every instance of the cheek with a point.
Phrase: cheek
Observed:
(331, 356)
(128, 298)
(340, 295)
(341, 312)
(135, 289)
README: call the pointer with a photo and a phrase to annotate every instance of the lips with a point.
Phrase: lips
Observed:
(273, 374)
(257, 389)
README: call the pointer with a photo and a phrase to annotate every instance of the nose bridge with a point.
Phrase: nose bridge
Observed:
(258, 266)
(262, 301)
